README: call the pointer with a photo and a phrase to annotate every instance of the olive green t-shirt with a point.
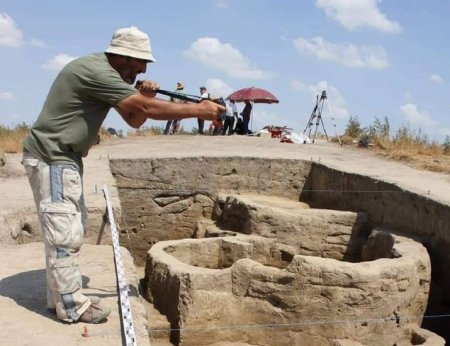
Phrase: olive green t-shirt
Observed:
(77, 103)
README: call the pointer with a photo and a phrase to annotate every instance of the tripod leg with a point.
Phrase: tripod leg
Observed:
(309, 124)
(319, 117)
(311, 118)
(325, 131)
(334, 123)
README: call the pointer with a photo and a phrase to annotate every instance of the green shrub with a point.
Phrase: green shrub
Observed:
(353, 128)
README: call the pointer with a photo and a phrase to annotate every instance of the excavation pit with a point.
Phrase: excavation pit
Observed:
(287, 265)
(216, 286)
(176, 198)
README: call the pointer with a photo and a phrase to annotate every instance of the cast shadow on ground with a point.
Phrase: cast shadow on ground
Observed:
(28, 289)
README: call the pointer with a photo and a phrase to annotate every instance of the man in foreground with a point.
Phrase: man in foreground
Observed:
(76, 106)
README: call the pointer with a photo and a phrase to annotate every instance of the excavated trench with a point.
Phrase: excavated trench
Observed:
(304, 216)
(264, 242)
(252, 280)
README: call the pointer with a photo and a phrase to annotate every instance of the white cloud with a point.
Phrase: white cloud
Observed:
(436, 78)
(222, 3)
(217, 87)
(345, 54)
(37, 43)
(353, 14)
(298, 85)
(6, 96)
(10, 34)
(58, 62)
(416, 117)
(211, 52)
(335, 99)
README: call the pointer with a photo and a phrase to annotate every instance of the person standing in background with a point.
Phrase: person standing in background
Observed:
(246, 112)
(230, 117)
(201, 122)
(176, 122)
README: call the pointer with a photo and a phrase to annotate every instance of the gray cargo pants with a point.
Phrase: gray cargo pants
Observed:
(58, 194)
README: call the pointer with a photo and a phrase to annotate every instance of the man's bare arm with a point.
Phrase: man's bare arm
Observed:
(136, 108)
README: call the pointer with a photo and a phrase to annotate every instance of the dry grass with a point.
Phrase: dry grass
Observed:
(406, 145)
(147, 131)
(11, 139)
(411, 149)
(429, 160)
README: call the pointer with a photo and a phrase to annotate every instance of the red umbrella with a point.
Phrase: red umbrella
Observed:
(253, 94)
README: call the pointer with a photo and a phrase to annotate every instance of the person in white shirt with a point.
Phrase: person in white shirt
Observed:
(230, 117)
(201, 122)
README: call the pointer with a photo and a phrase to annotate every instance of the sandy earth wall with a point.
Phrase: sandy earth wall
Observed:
(163, 199)
(387, 206)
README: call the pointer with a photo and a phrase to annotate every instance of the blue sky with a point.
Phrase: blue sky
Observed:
(374, 58)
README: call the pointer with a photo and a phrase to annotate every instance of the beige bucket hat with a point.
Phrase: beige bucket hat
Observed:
(131, 42)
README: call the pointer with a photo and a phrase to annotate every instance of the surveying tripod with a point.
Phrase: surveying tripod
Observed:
(317, 114)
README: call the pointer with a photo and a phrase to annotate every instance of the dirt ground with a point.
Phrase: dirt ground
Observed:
(440, 164)
(349, 158)
(16, 193)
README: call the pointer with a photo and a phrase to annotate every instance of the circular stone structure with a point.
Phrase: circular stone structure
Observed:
(256, 290)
